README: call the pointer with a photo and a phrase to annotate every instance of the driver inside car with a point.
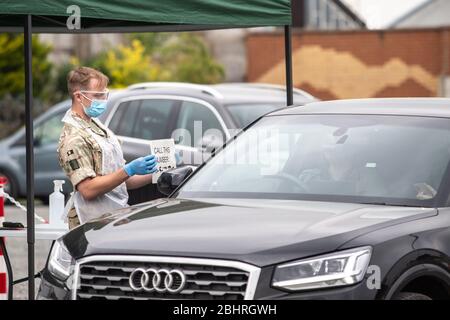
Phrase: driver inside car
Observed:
(342, 170)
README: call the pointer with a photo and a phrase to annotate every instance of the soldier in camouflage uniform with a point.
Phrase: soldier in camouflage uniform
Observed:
(80, 156)
(90, 154)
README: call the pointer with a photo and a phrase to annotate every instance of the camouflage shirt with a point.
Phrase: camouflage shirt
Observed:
(80, 156)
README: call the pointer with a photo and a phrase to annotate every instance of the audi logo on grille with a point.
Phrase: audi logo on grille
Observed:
(159, 280)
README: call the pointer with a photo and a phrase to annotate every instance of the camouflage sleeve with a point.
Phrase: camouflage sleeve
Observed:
(76, 157)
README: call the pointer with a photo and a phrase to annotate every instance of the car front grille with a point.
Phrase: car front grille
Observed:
(108, 277)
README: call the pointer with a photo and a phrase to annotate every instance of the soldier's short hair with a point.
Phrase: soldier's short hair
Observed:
(78, 79)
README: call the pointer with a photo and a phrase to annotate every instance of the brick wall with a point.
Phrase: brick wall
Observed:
(358, 64)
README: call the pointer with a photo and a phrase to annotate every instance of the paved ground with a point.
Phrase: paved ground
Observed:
(17, 249)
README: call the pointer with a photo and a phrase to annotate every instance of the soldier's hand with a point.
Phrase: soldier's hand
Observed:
(178, 158)
(141, 166)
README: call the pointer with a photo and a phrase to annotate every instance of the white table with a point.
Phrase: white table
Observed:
(42, 232)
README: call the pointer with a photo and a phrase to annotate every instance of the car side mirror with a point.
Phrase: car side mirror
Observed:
(172, 179)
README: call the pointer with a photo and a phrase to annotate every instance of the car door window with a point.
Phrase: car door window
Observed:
(246, 113)
(48, 132)
(153, 119)
(144, 119)
(193, 115)
(125, 118)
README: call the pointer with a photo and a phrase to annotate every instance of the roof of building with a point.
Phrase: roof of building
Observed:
(352, 14)
(429, 13)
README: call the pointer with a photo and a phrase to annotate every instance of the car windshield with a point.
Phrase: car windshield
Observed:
(397, 160)
(244, 114)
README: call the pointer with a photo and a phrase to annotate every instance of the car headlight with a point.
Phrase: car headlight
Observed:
(331, 270)
(60, 263)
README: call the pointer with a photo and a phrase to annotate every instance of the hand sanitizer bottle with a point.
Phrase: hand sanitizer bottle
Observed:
(56, 206)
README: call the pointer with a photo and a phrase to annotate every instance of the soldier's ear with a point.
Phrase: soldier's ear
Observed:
(77, 96)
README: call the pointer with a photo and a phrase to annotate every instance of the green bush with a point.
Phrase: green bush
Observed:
(12, 67)
(153, 57)
(187, 59)
(12, 81)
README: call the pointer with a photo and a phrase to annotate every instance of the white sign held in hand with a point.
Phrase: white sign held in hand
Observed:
(164, 151)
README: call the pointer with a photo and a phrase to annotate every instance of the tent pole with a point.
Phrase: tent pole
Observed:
(288, 62)
(29, 152)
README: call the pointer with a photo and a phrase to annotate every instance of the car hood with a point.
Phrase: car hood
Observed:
(260, 232)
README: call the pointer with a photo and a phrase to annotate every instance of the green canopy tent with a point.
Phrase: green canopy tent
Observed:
(114, 16)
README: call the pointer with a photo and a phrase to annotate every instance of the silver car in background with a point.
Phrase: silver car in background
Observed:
(143, 112)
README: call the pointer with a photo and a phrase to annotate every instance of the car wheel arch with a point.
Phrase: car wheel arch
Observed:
(416, 266)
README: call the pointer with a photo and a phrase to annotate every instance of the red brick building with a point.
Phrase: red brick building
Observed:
(355, 64)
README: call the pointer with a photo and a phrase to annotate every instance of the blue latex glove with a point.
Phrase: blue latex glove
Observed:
(178, 158)
(141, 166)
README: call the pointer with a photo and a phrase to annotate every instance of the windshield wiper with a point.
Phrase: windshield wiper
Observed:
(390, 204)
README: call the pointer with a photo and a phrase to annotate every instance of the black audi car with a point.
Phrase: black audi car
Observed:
(332, 200)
